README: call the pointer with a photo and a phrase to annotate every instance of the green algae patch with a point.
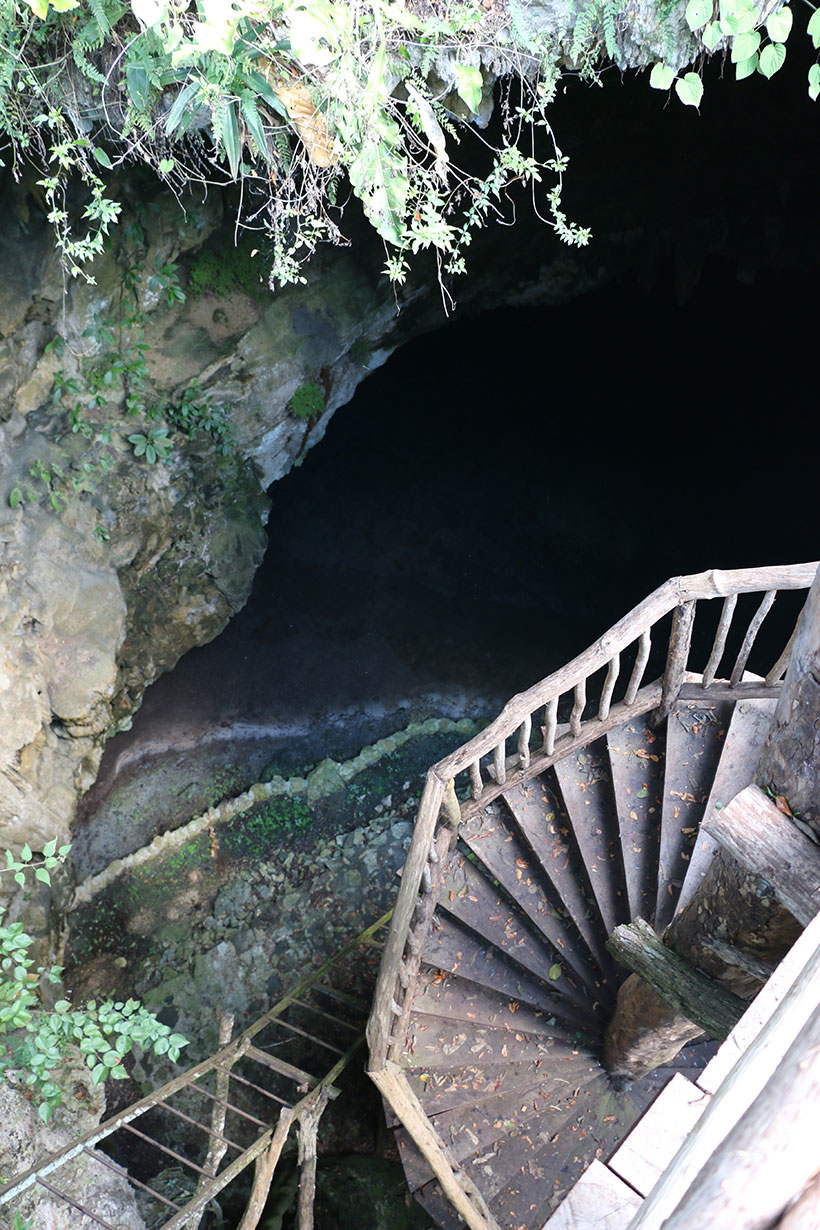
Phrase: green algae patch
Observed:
(176, 882)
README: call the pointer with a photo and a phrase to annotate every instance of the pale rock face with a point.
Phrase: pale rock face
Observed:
(25, 1141)
(85, 624)
(61, 628)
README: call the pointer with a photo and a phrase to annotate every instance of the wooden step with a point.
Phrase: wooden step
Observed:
(469, 1133)
(439, 1090)
(539, 813)
(447, 995)
(649, 1148)
(468, 895)
(744, 741)
(509, 860)
(598, 1120)
(435, 1043)
(636, 758)
(504, 1173)
(695, 733)
(433, 1201)
(598, 1201)
(586, 787)
(452, 948)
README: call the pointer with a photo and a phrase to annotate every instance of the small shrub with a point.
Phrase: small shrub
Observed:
(307, 403)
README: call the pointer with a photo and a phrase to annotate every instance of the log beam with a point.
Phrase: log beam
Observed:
(687, 990)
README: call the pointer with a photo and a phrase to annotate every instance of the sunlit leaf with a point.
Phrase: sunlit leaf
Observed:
(772, 59)
(698, 13)
(779, 25)
(744, 46)
(469, 84)
(661, 76)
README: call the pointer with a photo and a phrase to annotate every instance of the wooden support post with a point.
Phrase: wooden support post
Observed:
(789, 761)
(676, 659)
(263, 1171)
(309, 1113)
(217, 1148)
(769, 844)
(689, 991)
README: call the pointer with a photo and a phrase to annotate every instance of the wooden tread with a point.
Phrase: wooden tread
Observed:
(470, 897)
(450, 947)
(636, 759)
(745, 737)
(695, 735)
(539, 813)
(509, 860)
(585, 781)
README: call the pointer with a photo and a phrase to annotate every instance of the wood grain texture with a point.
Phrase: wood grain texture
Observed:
(686, 989)
(768, 844)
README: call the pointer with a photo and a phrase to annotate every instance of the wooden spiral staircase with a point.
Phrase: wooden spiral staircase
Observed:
(533, 842)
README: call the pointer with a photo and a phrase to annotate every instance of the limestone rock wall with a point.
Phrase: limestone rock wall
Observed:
(100, 596)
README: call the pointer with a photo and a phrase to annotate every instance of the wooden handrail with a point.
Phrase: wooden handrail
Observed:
(678, 593)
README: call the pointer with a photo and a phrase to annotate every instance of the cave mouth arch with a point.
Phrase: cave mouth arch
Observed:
(491, 500)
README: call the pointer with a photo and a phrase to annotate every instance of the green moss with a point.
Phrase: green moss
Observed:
(220, 273)
(307, 403)
(254, 833)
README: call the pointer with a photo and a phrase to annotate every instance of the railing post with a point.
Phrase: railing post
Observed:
(677, 656)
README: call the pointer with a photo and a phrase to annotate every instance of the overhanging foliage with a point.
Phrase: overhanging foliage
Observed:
(299, 101)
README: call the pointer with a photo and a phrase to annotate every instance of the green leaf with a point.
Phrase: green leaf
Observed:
(230, 138)
(661, 76)
(772, 59)
(813, 28)
(469, 84)
(40, 8)
(698, 12)
(254, 123)
(257, 82)
(44, 1112)
(20, 878)
(99, 1073)
(746, 67)
(15, 496)
(643, 793)
(49, 848)
(779, 25)
(136, 80)
(42, 875)
(380, 182)
(25, 853)
(814, 81)
(555, 972)
(101, 156)
(166, 166)
(744, 46)
(62, 1005)
(184, 100)
(712, 35)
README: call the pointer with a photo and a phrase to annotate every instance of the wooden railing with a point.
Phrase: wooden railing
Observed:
(469, 778)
